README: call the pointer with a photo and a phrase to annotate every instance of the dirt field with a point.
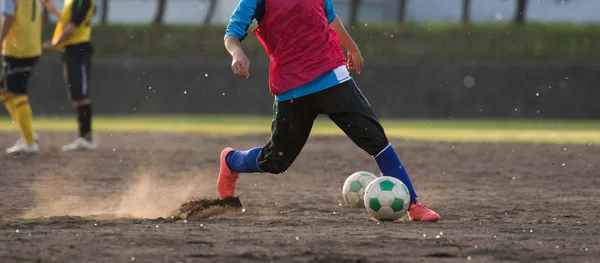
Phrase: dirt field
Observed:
(498, 202)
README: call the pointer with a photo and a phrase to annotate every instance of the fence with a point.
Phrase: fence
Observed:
(379, 11)
(415, 89)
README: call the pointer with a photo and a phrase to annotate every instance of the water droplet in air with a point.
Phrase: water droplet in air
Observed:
(17, 231)
(498, 16)
(297, 238)
(469, 81)
(469, 258)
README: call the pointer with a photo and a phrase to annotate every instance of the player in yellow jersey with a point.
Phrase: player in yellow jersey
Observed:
(72, 38)
(21, 33)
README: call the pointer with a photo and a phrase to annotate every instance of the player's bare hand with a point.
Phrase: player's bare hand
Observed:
(355, 61)
(240, 65)
(48, 46)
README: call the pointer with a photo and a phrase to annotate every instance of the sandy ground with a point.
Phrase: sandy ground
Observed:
(498, 202)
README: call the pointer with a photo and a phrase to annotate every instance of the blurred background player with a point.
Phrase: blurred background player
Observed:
(51, 7)
(21, 37)
(72, 38)
(308, 76)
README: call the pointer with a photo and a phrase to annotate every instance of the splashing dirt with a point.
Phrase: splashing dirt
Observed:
(146, 196)
(206, 207)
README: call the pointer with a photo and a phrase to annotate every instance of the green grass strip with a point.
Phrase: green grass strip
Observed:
(457, 130)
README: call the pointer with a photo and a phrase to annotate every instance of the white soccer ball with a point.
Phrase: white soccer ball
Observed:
(354, 188)
(387, 199)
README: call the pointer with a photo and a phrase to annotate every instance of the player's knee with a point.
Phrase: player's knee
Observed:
(4, 96)
(274, 167)
(7, 95)
(14, 92)
(378, 147)
(77, 102)
(374, 145)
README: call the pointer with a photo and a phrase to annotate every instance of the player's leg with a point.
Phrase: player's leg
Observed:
(353, 114)
(345, 105)
(5, 96)
(291, 126)
(18, 72)
(77, 69)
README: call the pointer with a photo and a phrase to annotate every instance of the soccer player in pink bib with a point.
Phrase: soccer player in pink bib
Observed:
(308, 75)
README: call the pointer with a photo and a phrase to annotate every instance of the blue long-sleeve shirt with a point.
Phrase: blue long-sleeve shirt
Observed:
(249, 10)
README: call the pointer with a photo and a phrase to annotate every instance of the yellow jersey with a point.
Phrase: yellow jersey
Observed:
(24, 38)
(78, 12)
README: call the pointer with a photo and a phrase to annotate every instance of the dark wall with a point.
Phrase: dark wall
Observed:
(411, 89)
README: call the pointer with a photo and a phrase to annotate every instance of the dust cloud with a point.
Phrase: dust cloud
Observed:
(145, 196)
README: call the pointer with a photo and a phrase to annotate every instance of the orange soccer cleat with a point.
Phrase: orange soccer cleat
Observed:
(227, 178)
(419, 212)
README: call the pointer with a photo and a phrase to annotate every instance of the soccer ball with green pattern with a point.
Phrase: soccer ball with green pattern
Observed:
(387, 199)
(353, 191)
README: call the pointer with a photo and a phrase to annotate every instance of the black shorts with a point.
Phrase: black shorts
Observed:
(77, 66)
(293, 120)
(16, 73)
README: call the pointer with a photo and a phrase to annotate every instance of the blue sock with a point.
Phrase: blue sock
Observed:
(390, 165)
(244, 161)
